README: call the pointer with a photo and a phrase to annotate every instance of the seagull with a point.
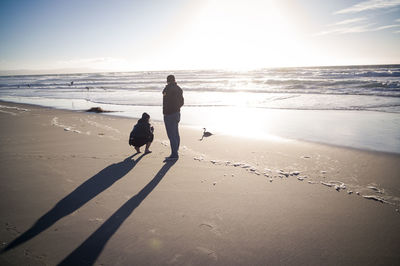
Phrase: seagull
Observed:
(206, 134)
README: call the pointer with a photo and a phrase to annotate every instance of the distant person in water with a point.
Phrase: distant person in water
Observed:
(172, 103)
(142, 134)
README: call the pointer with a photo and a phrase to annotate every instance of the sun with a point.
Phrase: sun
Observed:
(239, 35)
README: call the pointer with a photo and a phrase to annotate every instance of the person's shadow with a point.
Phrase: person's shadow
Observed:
(77, 198)
(88, 252)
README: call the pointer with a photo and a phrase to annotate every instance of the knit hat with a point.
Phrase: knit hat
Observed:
(171, 78)
(145, 116)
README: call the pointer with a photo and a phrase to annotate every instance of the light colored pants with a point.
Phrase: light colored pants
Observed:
(171, 125)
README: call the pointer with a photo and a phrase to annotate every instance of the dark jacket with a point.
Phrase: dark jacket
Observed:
(172, 99)
(142, 130)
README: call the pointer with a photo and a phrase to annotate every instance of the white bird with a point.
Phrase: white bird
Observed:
(206, 134)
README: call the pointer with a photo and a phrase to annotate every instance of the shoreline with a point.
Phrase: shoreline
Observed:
(261, 135)
(73, 191)
(267, 139)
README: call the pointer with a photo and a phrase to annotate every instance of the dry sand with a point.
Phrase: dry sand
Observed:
(73, 193)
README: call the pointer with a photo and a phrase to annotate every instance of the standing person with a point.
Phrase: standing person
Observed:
(172, 103)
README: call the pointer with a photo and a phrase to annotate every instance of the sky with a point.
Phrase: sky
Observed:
(117, 35)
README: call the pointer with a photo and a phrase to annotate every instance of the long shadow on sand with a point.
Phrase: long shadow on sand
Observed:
(77, 198)
(88, 252)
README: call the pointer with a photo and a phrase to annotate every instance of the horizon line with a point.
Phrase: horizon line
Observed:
(71, 71)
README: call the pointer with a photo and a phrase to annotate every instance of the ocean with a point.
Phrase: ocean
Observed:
(351, 106)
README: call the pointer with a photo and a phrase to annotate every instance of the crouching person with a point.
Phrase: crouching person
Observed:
(142, 134)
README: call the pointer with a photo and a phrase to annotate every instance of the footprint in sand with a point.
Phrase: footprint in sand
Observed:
(13, 229)
(96, 220)
(175, 259)
(210, 227)
(28, 253)
(210, 253)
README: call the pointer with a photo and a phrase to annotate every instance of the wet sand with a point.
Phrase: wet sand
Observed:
(74, 193)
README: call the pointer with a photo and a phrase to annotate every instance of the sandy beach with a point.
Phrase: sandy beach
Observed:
(73, 192)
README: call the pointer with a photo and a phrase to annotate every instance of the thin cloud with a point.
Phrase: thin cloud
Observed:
(397, 20)
(83, 61)
(345, 30)
(357, 29)
(349, 21)
(369, 5)
(95, 63)
(386, 27)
